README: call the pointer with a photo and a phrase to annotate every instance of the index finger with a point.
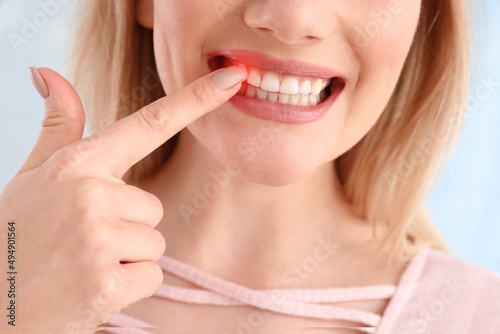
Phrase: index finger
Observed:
(130, 139)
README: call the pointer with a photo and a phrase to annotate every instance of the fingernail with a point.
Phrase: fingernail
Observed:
(38, 82)
(229, 77)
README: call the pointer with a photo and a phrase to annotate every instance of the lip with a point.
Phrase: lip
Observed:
(273, 111)
(265, 62)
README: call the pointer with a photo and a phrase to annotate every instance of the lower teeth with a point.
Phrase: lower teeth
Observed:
(294, 99)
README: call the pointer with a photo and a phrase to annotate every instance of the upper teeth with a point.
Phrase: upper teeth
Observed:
(274, 82)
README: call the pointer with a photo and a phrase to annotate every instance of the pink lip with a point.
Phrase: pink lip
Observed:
(273, 111)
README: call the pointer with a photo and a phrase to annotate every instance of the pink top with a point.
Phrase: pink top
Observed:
(437, 293)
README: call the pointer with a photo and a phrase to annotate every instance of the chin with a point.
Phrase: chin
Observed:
(268, 168)
(262, 151)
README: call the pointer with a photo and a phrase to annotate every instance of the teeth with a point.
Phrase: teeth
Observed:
(261, 94)
(273, 97)
(284, 89)
(326, 83)
(304, 101)
(254, 78)
(294, 99)
(312, 100)
(283, 98)
(305, 87)
(270, 82)
(289, 85)
(251, 91)
(316, 86)
(274, 82)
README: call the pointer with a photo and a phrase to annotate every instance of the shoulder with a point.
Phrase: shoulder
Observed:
(451, 295)
(444, 274)
(438, 264)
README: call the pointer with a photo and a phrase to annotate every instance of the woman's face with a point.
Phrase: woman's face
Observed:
(361, 45)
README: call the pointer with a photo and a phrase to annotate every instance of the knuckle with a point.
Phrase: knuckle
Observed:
(104, 284)
(200, 93)
(156, 208)
(155, 277)
(96, 238)
(159, 242)
(90, 197)
(92, 142)
(62, 162)
(72, 156)
(68, 157)
(151, 277)
(53, 116)
(101, 236)
(153, 117)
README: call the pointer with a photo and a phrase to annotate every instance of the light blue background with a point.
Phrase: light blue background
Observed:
(464, 203)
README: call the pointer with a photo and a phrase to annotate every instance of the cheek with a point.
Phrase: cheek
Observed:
(180, 32)
(381, 45)
(383, 41)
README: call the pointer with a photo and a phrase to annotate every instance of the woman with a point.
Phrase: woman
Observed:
(279, 184)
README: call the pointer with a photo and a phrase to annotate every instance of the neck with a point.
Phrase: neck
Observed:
(227, 226)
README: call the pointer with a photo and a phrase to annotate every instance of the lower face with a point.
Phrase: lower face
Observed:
(288, 119)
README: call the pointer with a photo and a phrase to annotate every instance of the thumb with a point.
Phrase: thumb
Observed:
(64, 119)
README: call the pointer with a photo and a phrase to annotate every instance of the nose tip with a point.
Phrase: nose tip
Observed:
(291, 21)
(287, 37)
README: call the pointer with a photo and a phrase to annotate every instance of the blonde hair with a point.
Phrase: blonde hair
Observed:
(386, 176)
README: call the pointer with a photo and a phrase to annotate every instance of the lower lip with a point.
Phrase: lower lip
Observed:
(284, 113)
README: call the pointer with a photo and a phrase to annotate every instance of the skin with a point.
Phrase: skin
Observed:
(284, 195)
(79, 242)
(74, 211)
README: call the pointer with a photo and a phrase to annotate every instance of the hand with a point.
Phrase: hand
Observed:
(86, 246)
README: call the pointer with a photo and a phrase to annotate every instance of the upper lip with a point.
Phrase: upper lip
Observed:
(269, 63)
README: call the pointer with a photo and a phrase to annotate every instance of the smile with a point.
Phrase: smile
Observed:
(285, 91)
